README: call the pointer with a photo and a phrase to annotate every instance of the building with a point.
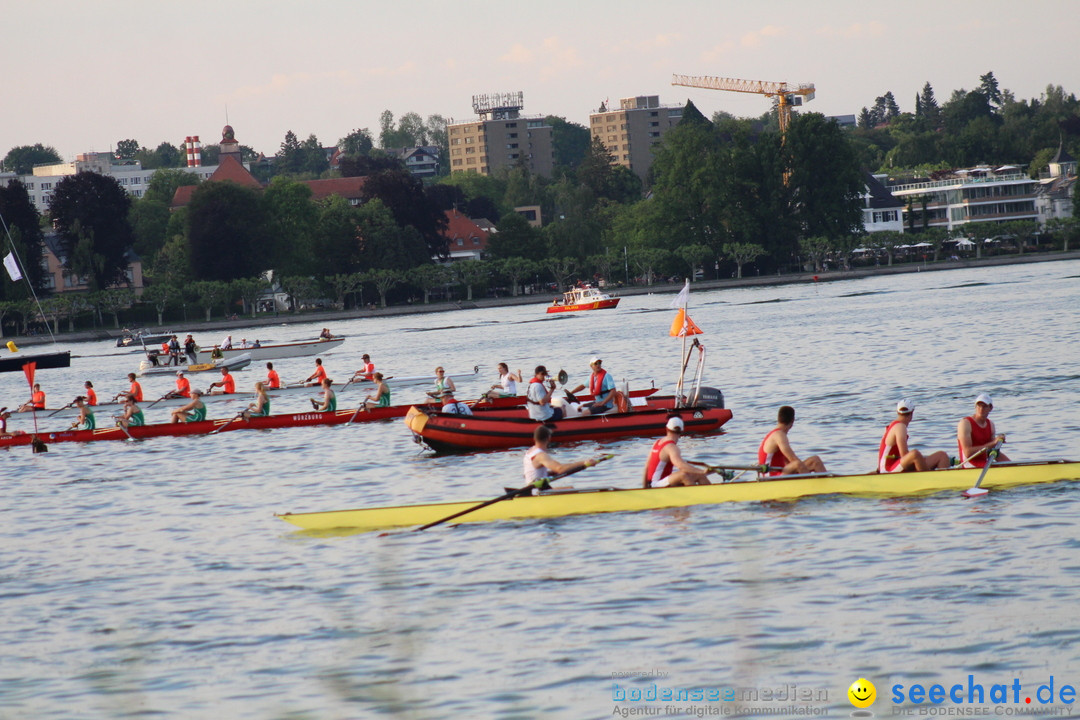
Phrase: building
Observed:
(1057, 188)
(501, 138)
(974, 195)
(465, 239)
(630, 132)
(59, 279)
(880, 209)
(421, 162)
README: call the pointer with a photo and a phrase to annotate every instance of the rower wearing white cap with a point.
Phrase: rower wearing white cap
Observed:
(666, 467)
(601, 387)
(976, 434)
(894, 455)
(183, 386)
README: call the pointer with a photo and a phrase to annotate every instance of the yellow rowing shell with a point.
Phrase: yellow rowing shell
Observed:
(559, 504)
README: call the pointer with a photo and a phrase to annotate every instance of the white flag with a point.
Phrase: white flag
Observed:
(12, 268)
(682, 298)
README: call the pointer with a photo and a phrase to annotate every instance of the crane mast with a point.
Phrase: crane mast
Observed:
(786, 95)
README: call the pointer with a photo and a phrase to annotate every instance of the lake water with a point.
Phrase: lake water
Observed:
(151, 579)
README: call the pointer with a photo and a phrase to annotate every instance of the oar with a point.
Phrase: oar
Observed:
(124, 429)
(60, 409)
(511, 494)
(238, 416)
(975, 490)
(163, 397)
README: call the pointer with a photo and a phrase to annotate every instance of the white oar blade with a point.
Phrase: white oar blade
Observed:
(975, 492)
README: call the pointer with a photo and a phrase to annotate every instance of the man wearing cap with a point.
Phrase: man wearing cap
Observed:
(975, 435)
(367, 371)
(601, 387)
(894, 456)
(451, 405)
(538, 397)
(666, 467)
(183, 387)
(775, 450)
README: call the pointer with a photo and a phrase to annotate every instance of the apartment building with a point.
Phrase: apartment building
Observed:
(630, 132)
(501, 137)
(973, 195)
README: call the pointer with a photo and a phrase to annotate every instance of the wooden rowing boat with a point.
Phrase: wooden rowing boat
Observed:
(501, 429)
(275, 352)
(603, 500)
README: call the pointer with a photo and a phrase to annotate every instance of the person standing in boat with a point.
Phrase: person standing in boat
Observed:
(442, 384)
(261, 406)
(191, 349)
(538, 466)
(538, 397)
(895, 456)
(86, 419)
(976, 434)
(174, 350)
(226, 383)
(380, 397)
(194, 411)
(183, 387)
(273, 380)
(666, 466)
(366, 371)
(133, 414)
(36, 401)
(318, 376)
(329, 401)
(601, 387)
(775, 450)
(507, 385)
(91, 396)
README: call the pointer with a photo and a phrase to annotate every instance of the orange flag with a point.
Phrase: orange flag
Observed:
(28, 370)
(683, 325)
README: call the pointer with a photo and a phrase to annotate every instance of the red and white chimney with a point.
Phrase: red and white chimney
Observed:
(188, 152)
(197, 150)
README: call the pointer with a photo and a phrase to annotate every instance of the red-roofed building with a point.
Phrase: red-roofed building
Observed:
(465, 239)
(229, 169)
(348, 188)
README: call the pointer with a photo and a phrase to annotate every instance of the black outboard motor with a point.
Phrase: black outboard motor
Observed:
(707, 397)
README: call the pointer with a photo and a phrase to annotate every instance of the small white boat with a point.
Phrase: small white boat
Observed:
(236, 363)
(275, 352)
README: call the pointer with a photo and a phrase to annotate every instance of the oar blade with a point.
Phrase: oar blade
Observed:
(975, 492)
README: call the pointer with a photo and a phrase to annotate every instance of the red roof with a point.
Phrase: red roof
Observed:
(460, 227)
(348, 188)
(229, 169)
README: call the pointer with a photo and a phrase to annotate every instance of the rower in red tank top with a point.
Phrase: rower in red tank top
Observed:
(894, 454)
(775, 450)
(976, 436)
(666, 467)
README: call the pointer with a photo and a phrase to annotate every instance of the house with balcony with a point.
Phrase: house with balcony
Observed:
(955, 198)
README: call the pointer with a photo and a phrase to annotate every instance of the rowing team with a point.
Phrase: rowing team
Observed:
(976, 439)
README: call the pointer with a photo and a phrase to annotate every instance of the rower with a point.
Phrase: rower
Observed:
(194, 411)
(134, 389)
(36, 401)
(367, 371)
(273, 380)
(133, 414)
(318, 376)
(538, 466)
(183, 387)
(226, 383)
(261, 406)
(442, 384)
(666, 467)
(380, 397)
(86, 419)
(976, 435)
(775, 450)
(507, 385)
(894, 455)
(329, 402)
(91, 396)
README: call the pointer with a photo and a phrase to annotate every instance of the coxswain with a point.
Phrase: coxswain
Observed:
(318, 376)
(261, 406)
(226, 383)
(91, 396)
(36, 401)
(894, 456)
(380, 397)
(666, 467)
(507, 385)
(601, 387)
(538, 397)
(86, 419)
(776, 453)
(329, 401)
(183, 386)
(216, 353)
(273, 380)
(452, 406)
(366, 371)
(975, 435)
(538, 466)
(194, 411)
(133, 414)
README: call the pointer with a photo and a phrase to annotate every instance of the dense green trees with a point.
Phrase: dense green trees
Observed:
(227, 232)
(90, 213)
(22, 159)
(24, 223)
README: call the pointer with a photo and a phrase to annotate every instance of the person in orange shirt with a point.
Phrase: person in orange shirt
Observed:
(183, 386)
(273, 380)
(319, 375)
(227, 384)
(135, 390)
(37, 400)
(91, 396)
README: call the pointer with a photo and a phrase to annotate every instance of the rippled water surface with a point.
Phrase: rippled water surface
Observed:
(152, 578)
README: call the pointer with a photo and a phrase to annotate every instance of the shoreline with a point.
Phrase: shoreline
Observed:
(332, 316)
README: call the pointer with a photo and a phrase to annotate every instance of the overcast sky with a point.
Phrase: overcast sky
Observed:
(81, 75)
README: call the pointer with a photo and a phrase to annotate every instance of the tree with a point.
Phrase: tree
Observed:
(1064, 229)
(127, 149)
(343, 285)
(291, 217)
(648, 261)
(290, 156)
(111, 301)
(562, 270)
(515, 269)
(928, 108)
(227, 232)
(22, 159)
(988, 86)
(569, 140)
(816, 248)
(825, 179)
(299, 288)
(516, 238)
(24, 224)
(428, 277)
(383, 280)
(604, 263)
(209, 294)
(160, 296)
(358, 142)
(404, 196)
(172, 264)
(248, 290)
(471, 274)
(742, 253)
(886, 241)
(90, 213)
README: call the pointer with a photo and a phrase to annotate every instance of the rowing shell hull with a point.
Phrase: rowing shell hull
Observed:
(632, 500)
(276, 352)
(497, 430)
(578, 307)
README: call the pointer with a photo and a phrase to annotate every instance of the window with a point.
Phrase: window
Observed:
(460, 242)
(456, 163)
(511, 125)
(469, 141)
(654, 124)
(46, 186)
(511, 135)
(511, 146)
(654, 113)
(135, 180)
(455, 141)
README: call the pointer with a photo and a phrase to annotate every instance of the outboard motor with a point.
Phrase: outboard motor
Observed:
(707, 397)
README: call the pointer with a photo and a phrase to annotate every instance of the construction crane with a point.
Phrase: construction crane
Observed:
(786, 95)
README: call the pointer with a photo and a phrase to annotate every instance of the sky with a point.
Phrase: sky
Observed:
(80, 76)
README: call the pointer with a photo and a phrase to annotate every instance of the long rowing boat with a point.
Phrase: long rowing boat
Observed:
(603, 500)
(275, 352)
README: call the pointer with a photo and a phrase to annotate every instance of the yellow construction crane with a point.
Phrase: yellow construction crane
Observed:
(786, 95)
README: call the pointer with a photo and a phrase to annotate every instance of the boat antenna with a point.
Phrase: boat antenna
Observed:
(21, 267)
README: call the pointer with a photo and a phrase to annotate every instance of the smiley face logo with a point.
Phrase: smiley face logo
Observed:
(862, 693)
